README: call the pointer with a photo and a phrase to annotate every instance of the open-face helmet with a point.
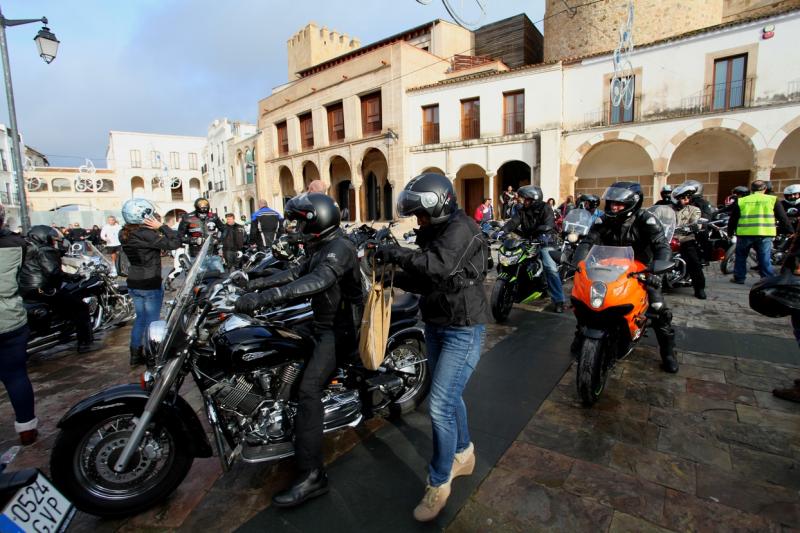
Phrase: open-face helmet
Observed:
(792, 194)
(135, 210)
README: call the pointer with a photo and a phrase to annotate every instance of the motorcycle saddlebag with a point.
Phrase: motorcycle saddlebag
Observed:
(776, 296)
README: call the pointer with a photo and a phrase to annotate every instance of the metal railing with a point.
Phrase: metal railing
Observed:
(513, 123)
(470, 128)
(605, 116)
(430, 133)
(719, 97)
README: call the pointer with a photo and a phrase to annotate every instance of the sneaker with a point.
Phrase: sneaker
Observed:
(432, 503)
(463, 463)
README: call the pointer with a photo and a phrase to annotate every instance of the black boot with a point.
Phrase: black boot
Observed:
(700, 294)
(137, 358)
(666, 344)
(309, 485)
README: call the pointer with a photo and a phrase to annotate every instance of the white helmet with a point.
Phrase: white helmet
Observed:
(790, 190)
(135, 210)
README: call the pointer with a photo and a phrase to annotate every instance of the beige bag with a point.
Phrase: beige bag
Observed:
(376, 320)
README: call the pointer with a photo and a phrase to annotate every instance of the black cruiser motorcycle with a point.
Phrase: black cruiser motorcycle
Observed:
(126, 448)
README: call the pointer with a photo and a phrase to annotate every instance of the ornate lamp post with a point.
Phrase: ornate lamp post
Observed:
(47, 44)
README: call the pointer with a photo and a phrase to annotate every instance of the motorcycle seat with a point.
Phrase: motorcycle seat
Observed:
(405, 305)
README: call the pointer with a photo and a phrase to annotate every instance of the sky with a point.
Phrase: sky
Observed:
(173, 66)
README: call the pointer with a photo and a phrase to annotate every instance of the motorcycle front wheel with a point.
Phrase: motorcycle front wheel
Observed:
(84, 455)
(502, 299)
(591, 377)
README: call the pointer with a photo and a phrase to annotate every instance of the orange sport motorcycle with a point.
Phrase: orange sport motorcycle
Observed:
(609, 297)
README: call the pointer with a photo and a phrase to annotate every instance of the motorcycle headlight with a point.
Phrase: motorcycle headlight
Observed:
(572, 237)
(509, 258)
(156, 333)
(597, 294)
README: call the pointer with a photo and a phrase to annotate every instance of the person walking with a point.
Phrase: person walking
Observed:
(143, 238)
(448, 271)
(232, 240)
(110, 235)
(14, 335)
(752, 220)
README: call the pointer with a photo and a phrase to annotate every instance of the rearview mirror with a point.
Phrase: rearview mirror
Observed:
(662, 266)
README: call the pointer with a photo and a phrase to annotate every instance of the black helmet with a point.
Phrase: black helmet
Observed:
(44, 235)
(531, 192)
(740, 190)
(628, 193)
(590, 202)
(429, 193)
(666, 192)
(311, 216)
(776, 296)
(201, 205)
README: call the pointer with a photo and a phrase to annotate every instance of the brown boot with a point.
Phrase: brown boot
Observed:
(432, 503)
(791, 395)
(463, 463)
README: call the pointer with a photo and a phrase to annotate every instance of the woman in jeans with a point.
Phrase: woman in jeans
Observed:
(143, 238)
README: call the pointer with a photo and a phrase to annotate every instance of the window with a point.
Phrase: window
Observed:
(62, 185)
(371, 114)
(283, 138)
(430, 124)
(174, 160)
(619, 113)
(729, 82)
(470, 118)
(136, 159)
(249, 166)
(193, 161)
(514, 113)
(108, 186)
(335, 123)
(155, 159)
(3, 158)
(306, 131)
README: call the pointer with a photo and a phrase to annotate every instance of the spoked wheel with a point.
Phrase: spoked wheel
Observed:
(502, 299)
(84, 455)
(592, 374)
(408, 362)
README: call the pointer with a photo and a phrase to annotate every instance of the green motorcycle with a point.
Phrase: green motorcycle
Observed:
(521, 275)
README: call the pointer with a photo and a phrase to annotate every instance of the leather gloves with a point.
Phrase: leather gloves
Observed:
(248, 303)
(391, 253)
(652, 280)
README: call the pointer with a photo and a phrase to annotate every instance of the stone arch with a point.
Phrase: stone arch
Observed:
(749, 134)
(375, 173)
(137, 186)
(342, 188)
(286, 183)
(309, 171)
(512, 173)
(471, 185)
(194, 189)
(786, 161)
(239, 179)
(610, 161)
(435, 170)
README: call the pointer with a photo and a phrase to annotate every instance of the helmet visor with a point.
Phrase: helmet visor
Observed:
(410, 202)
(619, 194)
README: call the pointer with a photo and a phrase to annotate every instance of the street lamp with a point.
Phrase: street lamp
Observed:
(47, 44)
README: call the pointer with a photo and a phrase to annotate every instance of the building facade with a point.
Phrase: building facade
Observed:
(228, 172)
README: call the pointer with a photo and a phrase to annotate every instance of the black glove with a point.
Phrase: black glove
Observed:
(248, 303)
(390, 253)
(239, 279)
(652, 280)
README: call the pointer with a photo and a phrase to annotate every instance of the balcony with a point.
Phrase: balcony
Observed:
(513, 123)
(430, 133)
(470, 128)
(720, 97)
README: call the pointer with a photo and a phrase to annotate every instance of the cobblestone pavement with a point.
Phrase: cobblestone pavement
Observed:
(706, 449)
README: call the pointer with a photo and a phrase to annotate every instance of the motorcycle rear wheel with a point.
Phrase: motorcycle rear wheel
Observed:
(83, 457)
(502, 300)
(726, 265)
(591, 376)
(416, 378)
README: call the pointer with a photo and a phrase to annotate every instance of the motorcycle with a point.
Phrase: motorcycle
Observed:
(521, 276)
(126, 448)
(108, 301)
(780, 247)
(575, 225)
(610, 302)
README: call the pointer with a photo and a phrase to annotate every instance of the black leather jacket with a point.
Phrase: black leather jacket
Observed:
(533, 223)
(193, 230)
(329, 274)
(642, 231)
(448, 271)
(41, 269)
(143, 247)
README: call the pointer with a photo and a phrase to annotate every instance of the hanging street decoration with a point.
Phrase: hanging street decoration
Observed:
(622, 83)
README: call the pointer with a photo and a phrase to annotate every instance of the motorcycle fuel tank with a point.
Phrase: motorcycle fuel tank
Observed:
(242, 346)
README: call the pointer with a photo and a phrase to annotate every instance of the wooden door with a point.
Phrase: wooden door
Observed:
(730, 179)
(473, 195)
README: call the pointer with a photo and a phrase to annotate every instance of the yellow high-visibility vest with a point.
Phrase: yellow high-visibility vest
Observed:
(757, 215)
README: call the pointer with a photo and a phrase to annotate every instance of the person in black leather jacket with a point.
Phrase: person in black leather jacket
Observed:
(193, 227)
(448, 271)
(535, 220)
(625, 223)
(41, 278)
(330, 275)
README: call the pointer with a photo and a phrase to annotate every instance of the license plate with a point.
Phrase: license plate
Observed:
(37, 508)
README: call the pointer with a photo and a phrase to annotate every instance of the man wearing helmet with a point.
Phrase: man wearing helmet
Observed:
(448, 271)
(625, 223)
(666, 196)
(591, 203)
(687, 217)
(329, 274)
(193, 228)
(536, 221)
(705, 207)
(41, 277)
(791, 195)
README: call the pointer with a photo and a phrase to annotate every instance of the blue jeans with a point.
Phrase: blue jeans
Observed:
(762, 246)
(554, 286)
(453, 354)
(14, 372)
(147, 303)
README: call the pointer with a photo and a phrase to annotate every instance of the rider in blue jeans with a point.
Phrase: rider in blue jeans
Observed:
(143, 238)
(448, 271)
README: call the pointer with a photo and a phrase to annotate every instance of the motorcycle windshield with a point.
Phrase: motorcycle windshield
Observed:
(608, 263)
(577, 221)
(666, 215)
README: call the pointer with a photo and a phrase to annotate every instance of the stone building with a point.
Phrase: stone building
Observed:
(229, 171)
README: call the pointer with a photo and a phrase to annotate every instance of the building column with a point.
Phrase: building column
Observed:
(763, 173)
(491, 175)
(659, 181)
(357, 181)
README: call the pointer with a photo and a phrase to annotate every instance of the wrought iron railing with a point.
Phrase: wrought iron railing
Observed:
(720, 97)
(513, 123)
(608, 114)
(470, 128)
(430, 133)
